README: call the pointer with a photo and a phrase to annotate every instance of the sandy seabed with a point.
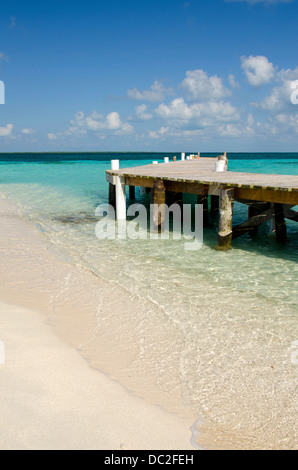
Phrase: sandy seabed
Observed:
(50, 397)
(81, 357)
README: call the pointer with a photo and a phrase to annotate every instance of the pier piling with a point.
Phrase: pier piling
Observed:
(225, 228)
(270, 198)
(158, 200)
(280, 223)
(120, 198)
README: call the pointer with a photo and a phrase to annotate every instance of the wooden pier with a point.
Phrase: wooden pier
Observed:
(268, 197)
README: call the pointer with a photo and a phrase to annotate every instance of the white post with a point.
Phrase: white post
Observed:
(220, 166)
(183, 156)
(115, 165)
(120, 198)
(166, 160)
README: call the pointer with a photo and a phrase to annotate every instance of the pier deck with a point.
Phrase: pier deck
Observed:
(278, 193)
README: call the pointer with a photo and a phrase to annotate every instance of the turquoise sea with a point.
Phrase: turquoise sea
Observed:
(235, 313)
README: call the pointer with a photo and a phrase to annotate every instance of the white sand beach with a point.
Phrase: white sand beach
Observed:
(90, 365)
(50, 397)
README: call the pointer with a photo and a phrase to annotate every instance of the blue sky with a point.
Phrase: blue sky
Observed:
(158, 75)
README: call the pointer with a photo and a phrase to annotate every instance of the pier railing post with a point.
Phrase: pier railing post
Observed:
(115, 165)
(225, 229)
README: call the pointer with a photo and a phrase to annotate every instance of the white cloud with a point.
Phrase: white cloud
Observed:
(232, 130)
(258, 70)
(198, 86)
(168, 131)
(27, 131)
(232, 81)
(280, 97)
(96, 123)
(6, 131)
(141, 112)
(157, 92)
(204, 113)
(52, 136)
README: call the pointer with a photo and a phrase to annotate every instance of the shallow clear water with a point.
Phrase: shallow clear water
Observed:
(235, 312)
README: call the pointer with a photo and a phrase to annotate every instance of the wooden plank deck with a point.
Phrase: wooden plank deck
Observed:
(268, 196)
(200, 172)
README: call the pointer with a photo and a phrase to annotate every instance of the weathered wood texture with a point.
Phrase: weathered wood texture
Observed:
(192, 176)
(290, 214)
(225, 228)
(158, 199)
(280, 223)
(269, 197)
(253, 222)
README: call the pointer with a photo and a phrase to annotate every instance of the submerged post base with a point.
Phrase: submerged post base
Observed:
(225, 228)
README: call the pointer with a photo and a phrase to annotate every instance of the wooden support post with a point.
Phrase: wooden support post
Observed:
(289, 213)
(272, 220)
(204, 200)
(158, 199)
(214, 205)
(120, 198)
(255, 221)
(225, 229)
(280, 223)
(112, 195)
(132, 192)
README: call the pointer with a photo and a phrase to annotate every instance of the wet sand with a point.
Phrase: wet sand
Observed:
(50, 397)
